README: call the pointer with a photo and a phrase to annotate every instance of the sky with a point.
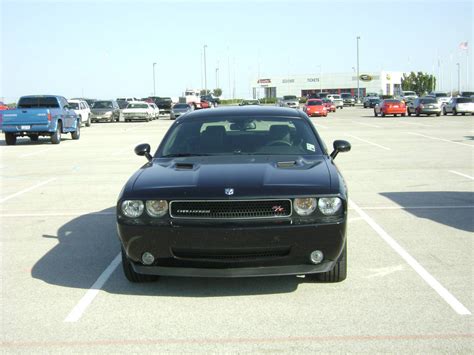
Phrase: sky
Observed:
(106, 49)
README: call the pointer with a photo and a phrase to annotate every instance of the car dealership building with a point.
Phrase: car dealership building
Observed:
(382, 83)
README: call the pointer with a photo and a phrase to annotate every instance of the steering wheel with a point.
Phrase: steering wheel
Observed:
(279, 142)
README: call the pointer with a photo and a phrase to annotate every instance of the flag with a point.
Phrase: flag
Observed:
(463, 46)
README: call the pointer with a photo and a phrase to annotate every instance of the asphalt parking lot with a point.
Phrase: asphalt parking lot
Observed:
(410, 270)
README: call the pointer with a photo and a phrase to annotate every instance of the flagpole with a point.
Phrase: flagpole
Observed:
(467, 68)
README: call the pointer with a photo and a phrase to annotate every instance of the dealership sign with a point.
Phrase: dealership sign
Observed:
(264, 81)
(365, 77)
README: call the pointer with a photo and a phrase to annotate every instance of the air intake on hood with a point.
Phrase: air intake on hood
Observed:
(184, 166)
(286, 164)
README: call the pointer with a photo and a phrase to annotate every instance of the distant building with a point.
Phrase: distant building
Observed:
(382, 83)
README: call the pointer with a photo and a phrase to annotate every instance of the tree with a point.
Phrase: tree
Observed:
(421, 83)
(217, 92)
(205, 92)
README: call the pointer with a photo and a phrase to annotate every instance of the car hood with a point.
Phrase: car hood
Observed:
(181, 110)
(101, 110)
(208, 177)
(135, 110)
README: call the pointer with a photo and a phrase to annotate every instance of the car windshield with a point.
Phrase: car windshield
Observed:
(315, 103)
(428, 100)
(38, 102)
(409, 93)
(346, 96)
(441, 94)
(73, 105)
(137, 106)
(241, 135)
(464, 100)
(181, 106)
(102, 104)
(289, 97)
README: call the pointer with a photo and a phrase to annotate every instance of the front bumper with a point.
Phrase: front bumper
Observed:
(232, 251)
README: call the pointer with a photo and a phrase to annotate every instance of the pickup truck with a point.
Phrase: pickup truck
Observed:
(40, 115)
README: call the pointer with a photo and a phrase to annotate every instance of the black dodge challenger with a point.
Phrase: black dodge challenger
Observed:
(236, 192)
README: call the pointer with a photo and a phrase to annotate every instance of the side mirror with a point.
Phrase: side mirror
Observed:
(143, 150)
(340, 146)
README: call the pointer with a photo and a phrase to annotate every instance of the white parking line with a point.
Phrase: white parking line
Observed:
(417, 124)
(26, 190)
(367, 124)
(425, 275)
(85, 301)
(461, 174)
(368, 142)
(441, 139)
(38, 152)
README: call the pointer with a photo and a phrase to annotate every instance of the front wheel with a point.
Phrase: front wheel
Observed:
(131, 275)
(455, 112)
(338, 272)
(438, 114)
(382, 114)
(56, 136)
(88, 123)
(444, 112)
(10, 138)
(376, 114)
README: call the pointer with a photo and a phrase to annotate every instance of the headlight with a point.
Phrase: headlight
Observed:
(329, 205)
(132, 208)
(108, 113)
(157, 208)
(304, 206)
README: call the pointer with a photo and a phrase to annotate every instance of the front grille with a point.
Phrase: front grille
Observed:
(229, 209)
(230, 255)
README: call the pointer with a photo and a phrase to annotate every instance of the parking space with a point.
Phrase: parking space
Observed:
(410, 252)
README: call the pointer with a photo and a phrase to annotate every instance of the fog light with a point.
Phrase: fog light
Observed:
(148, 258)
(316, 256)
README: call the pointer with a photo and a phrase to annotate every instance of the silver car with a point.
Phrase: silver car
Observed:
(460, 105)
(338, 101)
(179, 110)
(290, 101)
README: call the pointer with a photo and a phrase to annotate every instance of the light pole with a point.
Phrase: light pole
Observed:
(217, 77)
(205, 73)
(154, 88)
(459, 78)
(358, 83)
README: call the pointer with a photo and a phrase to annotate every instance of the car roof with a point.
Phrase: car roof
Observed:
(254, 111)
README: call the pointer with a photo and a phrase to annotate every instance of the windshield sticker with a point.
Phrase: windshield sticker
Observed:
(310, 147)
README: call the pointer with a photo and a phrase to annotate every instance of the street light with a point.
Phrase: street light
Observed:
(205, 74)
(154, 87)
(459, 77)
(217, 77)
(358, 83)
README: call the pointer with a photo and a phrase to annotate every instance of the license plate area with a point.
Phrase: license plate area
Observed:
(26, 127)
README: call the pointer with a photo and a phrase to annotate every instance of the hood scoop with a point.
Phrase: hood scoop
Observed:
(286, 164)
(184, 166)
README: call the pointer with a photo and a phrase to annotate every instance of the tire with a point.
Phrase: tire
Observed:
(10, 139)
(376, 114)
(438, 114)
(463, 114)
(455, 113)
(417, 113)
(131, 275)
(444, 112)
(338, 272)
(77, 133)
(34, 138)
(88, 122)
(382, 114)
(394, 115)
(119, 117)
(56, 136)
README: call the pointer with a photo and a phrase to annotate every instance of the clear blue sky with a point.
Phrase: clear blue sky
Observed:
(105, 49)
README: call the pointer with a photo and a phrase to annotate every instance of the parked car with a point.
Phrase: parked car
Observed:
(347, 99)
(408, 96)
(368, 97)
(3, 106)
(247, 102)
(82, 109)
(211, 99)
(40, 115)
(466, 94)
(163, 103)
(462, 105)
(290, 101)
(138, 110)
(236, 192)
(390, 107)
(318, 95)
(180, 109)
(128, 99)
(372, 101)
(106, 110)
(442, 97)
(156, 110)
(424, 106)
(337, 100)
(122, 104)
(315, 107)
(330, 106)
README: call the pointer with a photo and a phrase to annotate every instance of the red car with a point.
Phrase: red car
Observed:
(390, 107)
(205, 104)
(3, 106)
(315, 107)
(330, 106)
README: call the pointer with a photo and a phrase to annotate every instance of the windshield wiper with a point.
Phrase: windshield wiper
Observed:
(177, 155)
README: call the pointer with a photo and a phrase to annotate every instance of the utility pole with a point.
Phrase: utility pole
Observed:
(154, 87)
(358, 81)
(205, 68)
(459, 77)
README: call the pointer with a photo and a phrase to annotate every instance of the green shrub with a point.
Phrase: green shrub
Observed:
(268, 100)
(230, 101)
(303, 99)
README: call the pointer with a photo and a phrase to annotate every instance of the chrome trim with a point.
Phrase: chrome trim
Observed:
(233, 200)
